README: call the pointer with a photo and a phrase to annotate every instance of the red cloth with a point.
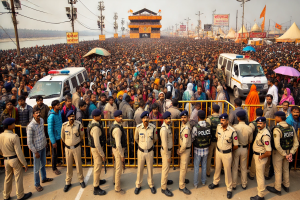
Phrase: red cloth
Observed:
(252, 99)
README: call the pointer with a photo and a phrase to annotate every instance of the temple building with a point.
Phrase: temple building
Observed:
(144, 24)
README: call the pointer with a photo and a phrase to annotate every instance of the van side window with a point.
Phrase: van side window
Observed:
(85, 75)
(74, 82)
(225, 62)
(220, 60)
(228, 65)
(80, 78)
(66, 86)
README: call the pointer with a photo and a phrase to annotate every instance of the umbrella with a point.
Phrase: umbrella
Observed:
(249, 48)
(98, 51)
(285, 70)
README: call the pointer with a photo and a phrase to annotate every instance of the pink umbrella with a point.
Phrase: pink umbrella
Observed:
(288, 71)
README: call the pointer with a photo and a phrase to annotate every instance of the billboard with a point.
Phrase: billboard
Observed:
(207, 27)
(72, 37)
(116, 35)
(101, 37)
(258, 35)
(182, 27)
(221, 20)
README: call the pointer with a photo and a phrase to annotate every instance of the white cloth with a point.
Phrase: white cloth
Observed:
(171, 88)
(273, 90)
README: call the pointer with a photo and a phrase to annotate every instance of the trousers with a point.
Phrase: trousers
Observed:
(165, 168)
(239, 154)
(142, 158)
(117, 170)
(260, 178)
(184, 161)
(76, 154)
(281, 168)
(97, 166)
(211, 150)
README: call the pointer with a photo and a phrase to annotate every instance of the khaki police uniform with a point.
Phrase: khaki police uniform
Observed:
(118, 154)
(212, 146)
(245, 137)
(280, 163)
(261, 144)
(97, 152)
(184, 151)
(166, 150)
(14, 161)
(223, 154)
(72, 135)
(145, 138)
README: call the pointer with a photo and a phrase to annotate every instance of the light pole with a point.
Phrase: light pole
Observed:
(101, 8)
(187, 28)
(72, 14)
(243, 5)
(199, 25)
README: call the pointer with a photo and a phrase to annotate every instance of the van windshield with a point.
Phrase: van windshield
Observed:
(251, 70)
(47, 89)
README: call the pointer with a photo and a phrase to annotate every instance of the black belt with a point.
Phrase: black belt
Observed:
(73, 147)
(224, 151)
(186, 147)
(11, 157)
(243, 146)
(256, 153)
(145, 151)
(168, 149)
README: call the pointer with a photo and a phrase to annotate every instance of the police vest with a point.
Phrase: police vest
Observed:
(214, 123)
(123, 137)
(102, 137)
(286, 141)
(203, 138)
(255, 130)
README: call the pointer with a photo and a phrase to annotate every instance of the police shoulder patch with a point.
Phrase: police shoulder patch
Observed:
(186, 135)
(267, 143)
(235, 138)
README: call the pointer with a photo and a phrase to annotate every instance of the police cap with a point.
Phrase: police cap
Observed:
(184, 113)
(96, 112)
(70, 112)
(261, 119)
(117, 113)
(280, 114)
(8, 121)
(241, 113)
(166, 115)
(223, 116)
(201, 114)
(144, 114)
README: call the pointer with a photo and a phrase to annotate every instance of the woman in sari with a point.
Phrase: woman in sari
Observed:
(287, 97)
(252, 99)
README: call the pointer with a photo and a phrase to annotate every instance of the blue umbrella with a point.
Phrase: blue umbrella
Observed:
(249, 48)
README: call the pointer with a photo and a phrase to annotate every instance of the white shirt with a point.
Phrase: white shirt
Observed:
(163, 69)
(274, 92)
(171, 88)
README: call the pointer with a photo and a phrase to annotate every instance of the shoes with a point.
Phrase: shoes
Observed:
(121, 192)
(203, 184)
(244, 188)
(98, 191)
(67, 187)
(26, 196)
(186, 181)
(82, 184)
(212, 186)
(268, 178)
(273, 190)
(137, 190)
(208, 175)
(167, 192)
(285, 188)
(7, 199)
(250, 177)
(234, 188)
(229, 195)
(196, 186)
(153, 190)
(102, 182)
(257, 198)
(185, 191)
(169, 182)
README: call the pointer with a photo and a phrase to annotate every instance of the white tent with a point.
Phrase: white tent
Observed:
(290, 35)
(244, 30)
(255, 28)
(231, 34)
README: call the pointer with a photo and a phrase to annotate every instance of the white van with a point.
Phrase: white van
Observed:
(241, 73)
(57, 84)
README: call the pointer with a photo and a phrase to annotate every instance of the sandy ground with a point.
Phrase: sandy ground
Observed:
(54, 190)
(30, 39)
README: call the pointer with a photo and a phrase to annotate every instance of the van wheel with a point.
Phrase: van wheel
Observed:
(236, 92)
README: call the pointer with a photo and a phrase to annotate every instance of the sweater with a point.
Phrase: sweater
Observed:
(54, 126)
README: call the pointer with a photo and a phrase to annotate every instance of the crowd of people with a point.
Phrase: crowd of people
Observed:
(145, 80)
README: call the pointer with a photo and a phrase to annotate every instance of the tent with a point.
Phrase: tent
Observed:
(255, 28)
(290, 35)
(244, 30)
(222, 34)
(231, 34)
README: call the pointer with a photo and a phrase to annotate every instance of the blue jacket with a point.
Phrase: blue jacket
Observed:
(290, 120)
(54, 126)
(91, 108)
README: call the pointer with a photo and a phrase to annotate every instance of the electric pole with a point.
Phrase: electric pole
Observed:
(116, 24)
(176, 29)
(173, 31)
(102, 17)
(187, 28)
(236, 20)
(72, 13)
(199, 25)
(122, 22)
(243, 4)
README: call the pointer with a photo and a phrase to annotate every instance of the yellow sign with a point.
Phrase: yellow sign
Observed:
(144, 17)
(145, 29)
(72, 37)
(116, 35)
(101, 37)
(123, 36)
(138, 26)
(155, 35)
(134, 35)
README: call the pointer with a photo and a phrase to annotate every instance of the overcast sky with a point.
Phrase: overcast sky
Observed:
(173, 11)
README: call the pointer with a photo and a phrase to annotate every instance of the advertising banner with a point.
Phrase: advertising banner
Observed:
(116, 35)
(245, 35)
(145, 29)
(258, 35)
(72, 37)
(101, 37)
(207, 27)
(182, 27)
(221, 20)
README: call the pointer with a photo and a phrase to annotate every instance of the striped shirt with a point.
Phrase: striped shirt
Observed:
(199, 151)
(36, 138)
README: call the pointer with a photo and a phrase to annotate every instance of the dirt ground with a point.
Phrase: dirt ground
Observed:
(54, 190)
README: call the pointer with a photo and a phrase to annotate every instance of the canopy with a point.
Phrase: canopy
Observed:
(249, 48)
(231, 34)
(255, 28)
(244, 30)
(97, 51)
(289, 71)
(290, 35)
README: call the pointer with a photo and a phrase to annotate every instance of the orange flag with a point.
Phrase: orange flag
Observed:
(263, 13)
(159, 11)
(278, 26)
(263, 25)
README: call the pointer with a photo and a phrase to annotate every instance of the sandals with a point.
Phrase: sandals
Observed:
(39, 188)
(47, 180)
(57, 172)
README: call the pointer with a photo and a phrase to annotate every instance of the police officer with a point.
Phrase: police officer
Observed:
(221, 75)
(245, 137)
(226, 136)
(213, 121)
(97, 143)
(118, 141)
(145, 136)
(166, 149)
(72, 134)
(285, 144)
(14, 160)
(184, 151)
(261, 151)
